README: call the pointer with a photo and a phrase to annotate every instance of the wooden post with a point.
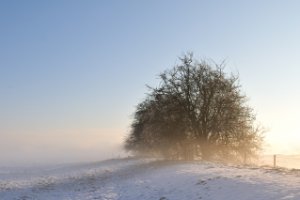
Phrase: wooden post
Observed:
(274, 161)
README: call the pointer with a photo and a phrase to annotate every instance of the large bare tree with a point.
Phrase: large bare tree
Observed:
(197, 111)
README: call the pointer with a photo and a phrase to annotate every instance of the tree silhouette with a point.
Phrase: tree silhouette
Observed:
(197, 111)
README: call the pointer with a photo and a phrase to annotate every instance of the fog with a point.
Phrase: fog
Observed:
(58, 147)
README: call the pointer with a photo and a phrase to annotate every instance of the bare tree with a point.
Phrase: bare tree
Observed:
(198, 110)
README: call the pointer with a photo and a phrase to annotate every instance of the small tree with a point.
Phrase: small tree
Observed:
(198, 110)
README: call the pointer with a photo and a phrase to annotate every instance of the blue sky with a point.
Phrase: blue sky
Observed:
(82, 65)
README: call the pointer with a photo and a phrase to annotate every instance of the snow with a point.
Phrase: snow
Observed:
(135, 179)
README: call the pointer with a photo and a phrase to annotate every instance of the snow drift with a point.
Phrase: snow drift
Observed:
(133, 179)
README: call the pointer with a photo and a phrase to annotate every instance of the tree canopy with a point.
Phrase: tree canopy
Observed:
(197, 111)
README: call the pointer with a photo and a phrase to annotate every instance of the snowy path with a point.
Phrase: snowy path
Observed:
(129, 179)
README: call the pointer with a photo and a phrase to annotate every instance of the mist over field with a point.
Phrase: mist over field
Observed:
(58, 148)
(143, 100)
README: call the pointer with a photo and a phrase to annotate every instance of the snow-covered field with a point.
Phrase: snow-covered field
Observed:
(145, 179)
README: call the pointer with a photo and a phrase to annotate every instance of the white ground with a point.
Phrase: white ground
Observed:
(133, 179)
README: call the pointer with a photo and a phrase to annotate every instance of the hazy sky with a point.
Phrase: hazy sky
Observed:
(71, 72)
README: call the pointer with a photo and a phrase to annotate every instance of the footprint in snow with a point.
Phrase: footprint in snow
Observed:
(162, 198)
(201, 182)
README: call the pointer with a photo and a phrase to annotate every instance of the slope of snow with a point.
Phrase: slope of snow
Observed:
(134, 179)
